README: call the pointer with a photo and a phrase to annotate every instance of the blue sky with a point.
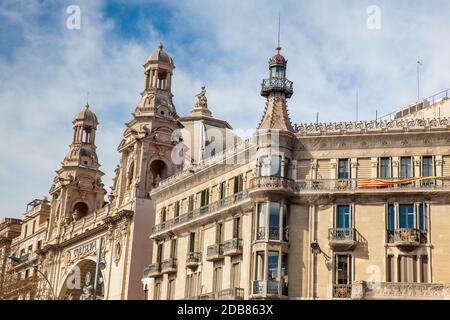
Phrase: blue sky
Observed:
(46, 69)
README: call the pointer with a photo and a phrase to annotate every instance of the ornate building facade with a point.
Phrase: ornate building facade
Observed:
(353, 210)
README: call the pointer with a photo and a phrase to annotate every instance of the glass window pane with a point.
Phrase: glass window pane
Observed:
(343, 216)
(343, 169)
(275, 166)
(265, 165)
(421, 217)
(405, 167)
(262, 214)
(385, 168)
(391, 217)
(272, 265)
(427, 166)
(406, 216)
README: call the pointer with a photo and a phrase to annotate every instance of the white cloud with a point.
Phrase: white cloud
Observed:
(46, 70)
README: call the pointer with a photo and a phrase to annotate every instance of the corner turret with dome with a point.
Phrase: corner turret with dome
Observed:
(277, 88)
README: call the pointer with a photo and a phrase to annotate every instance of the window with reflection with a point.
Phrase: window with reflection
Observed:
(270, 166)
(274, 221)
(385, 168)
(343, 169)
(343, 217)
(406, 216)
(406, 167)
(272, 265)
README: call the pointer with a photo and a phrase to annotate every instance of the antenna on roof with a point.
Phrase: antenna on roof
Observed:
(87, 97)
(419, 63)
(317, 117)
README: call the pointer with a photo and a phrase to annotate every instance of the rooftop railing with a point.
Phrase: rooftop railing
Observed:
(277, 84)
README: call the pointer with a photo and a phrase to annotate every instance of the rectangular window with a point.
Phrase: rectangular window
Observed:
(385, 168)
(390, 268)
(424, 268)
(407, 269)
(237, 228)
(343, 217)
(422, 224)
(391, 217)
(171, 290)
(427, 166)
(163, 214)
(405, 167)
(287, 167)
(274, 221)
(272, 265)
(285, 218)
(176, 211)
(219, 233)
(406, 216)
(204, 200)
(235, 275)
(343, 269)
(238, 184)
(159, 252)
(222, 190)
(262, 213)
(157, 292)
(192, 241)
(343, 169)
(173, 248)
(191, 204)
(259, 265)
(270, 166)
(217, 279)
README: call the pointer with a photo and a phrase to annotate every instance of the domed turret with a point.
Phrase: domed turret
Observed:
(86, 116)
(159, 56)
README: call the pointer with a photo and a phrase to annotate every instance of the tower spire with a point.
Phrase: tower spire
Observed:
(279, 31)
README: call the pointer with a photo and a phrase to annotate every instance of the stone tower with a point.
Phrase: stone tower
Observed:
(77, 189)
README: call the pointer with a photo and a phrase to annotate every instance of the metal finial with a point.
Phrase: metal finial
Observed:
(279, 29)
(87, 99)
(161, 46)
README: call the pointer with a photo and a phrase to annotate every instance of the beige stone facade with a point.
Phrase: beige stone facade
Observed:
(352, 210)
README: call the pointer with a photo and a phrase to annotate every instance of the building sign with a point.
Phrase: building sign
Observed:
(85, 249)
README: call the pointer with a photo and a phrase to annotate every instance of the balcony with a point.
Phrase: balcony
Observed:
(215, 252)
(153, 270)
(271, 233)
(371, 186)
(260, 186)
(271, 289)
(222, 205)
(232, 247)
(226, 294)
(342, 239)
(407, 239)
(400, 291)
(169, 266)
(277, 84)
(342, 291)
(193, 259)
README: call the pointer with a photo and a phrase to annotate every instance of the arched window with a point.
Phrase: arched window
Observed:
(80, 210)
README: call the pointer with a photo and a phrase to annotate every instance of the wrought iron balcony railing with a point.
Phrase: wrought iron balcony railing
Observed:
(407, 235)
(342, 291)
(272, 233)
(341, 234)
(277, 84)
(269, 287)
(232, 247)
(229, 201)
(226, 294)
(337, 185)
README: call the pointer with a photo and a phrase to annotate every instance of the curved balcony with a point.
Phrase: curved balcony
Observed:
(261, 186)
(269, 289)
(153, 270)
(342, 239)
(407, 239)
(277, 85)
(193, 260)
(215, 252)
(169, 266)
(232, 247)
(272, 233)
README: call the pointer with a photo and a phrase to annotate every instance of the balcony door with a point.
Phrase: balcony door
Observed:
(217, 279)
(406, 216)
(343, 270)
(343, 169)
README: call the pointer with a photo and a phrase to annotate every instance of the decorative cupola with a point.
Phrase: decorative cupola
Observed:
(277, 88)
(157, 96)
(83, 150)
